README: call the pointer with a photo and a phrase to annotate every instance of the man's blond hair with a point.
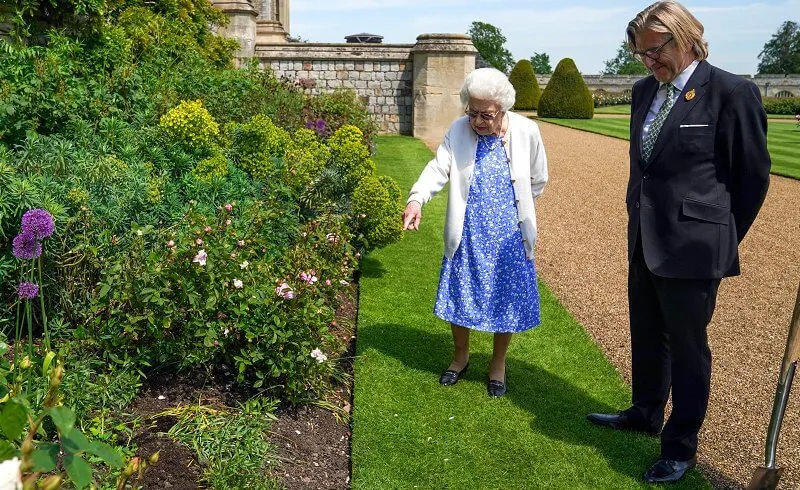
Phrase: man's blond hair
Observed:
(670, 18)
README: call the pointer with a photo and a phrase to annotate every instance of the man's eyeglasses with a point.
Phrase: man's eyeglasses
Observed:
(654, 53)
(486, 116)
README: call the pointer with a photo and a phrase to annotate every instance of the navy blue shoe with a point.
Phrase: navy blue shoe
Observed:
(450, 377)
(668, 470)
(619, 421)
(496, 388)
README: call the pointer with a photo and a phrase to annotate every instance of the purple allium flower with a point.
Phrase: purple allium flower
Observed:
(39, 222)
(27, 290)
(26, 246)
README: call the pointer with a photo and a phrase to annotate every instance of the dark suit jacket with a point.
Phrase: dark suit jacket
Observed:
(706, 179)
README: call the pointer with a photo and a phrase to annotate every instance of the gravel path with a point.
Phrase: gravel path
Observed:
(582, 256)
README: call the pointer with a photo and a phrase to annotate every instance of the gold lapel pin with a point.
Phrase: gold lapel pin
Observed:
(689, 95)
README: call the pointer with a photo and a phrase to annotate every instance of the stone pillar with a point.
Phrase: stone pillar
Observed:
(268, 26)
(283, 15)
(242, 25)
(441, 63)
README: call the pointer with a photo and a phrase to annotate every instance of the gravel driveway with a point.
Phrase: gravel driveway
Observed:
(582, 256)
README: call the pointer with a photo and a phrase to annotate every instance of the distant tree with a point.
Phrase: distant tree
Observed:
(541, 63)
(624, 63)
(781, 54)
(490, 43)
(525, 85)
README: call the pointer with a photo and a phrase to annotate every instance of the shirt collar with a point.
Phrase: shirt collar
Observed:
(681, 80)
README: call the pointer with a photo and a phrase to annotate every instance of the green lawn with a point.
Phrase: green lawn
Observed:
(616, 127)
(783, 139)
(613, 109)
(409, 432)
(626, 109)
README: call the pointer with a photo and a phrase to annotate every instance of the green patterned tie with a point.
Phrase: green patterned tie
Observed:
(655, 127)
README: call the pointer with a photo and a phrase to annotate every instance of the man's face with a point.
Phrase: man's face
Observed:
(662, 56)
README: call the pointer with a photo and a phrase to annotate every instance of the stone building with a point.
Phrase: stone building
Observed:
(410, 88)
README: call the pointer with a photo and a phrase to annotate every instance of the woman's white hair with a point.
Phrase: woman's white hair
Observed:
(488, 84)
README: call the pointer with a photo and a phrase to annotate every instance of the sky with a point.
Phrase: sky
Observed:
(588, 31)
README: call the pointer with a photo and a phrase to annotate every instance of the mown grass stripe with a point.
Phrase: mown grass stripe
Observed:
(409, 432)
(783, 139)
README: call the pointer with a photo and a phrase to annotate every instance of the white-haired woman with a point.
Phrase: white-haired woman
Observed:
(496, 165)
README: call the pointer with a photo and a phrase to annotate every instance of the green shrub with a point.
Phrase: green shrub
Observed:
(566, 94)
(782, 105)
(191, 124)
(306, 157)
(376, 202)
(526, 86)
(342, 106)
(350, 155)
(238, 287)
(604, 98)
(255, 144)
(110, 128)
(211, 169)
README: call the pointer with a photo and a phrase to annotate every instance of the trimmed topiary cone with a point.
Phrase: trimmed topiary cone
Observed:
(524, 81)
(566, 94)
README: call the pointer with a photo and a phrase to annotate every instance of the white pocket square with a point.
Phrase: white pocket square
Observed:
(694, 125)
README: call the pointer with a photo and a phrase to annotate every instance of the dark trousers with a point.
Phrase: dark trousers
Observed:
(668, 320)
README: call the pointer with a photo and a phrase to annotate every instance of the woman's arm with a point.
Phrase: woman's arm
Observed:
(434, 176)
(538, 164)
(432, 179)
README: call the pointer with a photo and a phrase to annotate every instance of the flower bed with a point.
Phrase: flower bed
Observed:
(162, 212)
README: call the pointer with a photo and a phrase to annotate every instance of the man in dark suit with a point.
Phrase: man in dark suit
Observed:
(699, 172)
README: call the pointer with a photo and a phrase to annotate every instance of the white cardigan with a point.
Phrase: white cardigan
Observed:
(455, 162)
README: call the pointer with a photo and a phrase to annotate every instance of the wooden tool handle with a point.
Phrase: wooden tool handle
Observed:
(792, 353)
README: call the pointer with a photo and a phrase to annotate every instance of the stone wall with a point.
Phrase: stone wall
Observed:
(381, 74)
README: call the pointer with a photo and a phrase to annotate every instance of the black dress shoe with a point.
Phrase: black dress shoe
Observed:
(668, 470)
(450, 377)
(619, 421)
(496, 388)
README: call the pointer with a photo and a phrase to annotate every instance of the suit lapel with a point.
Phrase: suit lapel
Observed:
(698, 83)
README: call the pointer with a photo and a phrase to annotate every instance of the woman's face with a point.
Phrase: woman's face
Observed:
(485, 116)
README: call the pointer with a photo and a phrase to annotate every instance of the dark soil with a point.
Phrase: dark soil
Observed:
(312, 444)
(314, 450)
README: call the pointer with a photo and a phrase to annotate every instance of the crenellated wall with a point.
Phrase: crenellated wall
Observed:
(381, 74)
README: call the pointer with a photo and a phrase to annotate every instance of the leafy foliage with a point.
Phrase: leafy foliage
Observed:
(566, 94)
(490, 43)
(782, 105)
(209, 430)
(375, 201)
(541, 63)
(526, 86)
(781, 54)
(192, 125)
(624, 63)
(29, 410)
(198, 219)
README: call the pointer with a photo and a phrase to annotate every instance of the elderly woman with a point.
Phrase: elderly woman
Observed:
(496, 165)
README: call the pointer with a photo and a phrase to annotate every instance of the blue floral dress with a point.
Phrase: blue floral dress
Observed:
(489, 284)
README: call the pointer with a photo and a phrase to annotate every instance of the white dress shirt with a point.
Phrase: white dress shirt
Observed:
(661, 96)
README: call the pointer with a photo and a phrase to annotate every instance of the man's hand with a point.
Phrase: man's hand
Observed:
(412, 216)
